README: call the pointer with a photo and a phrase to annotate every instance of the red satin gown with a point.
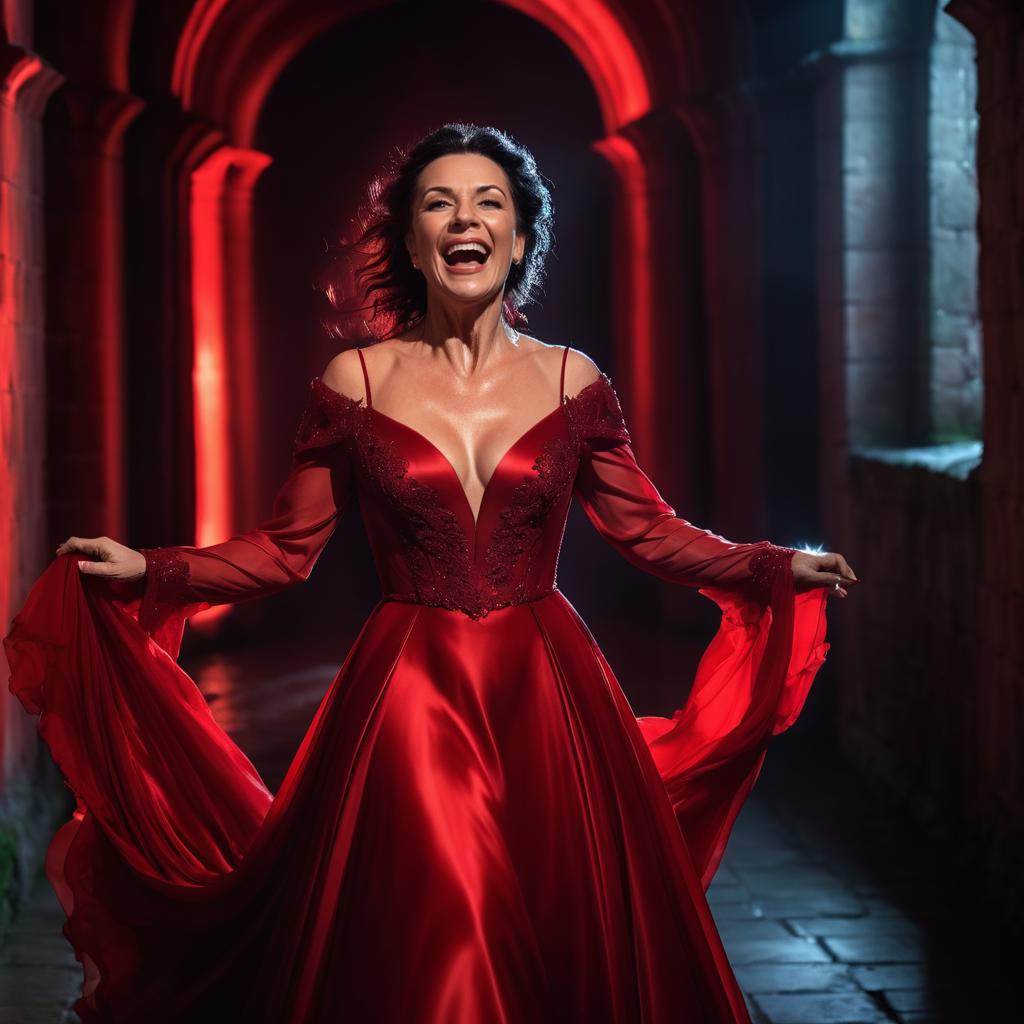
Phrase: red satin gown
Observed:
(476, 828)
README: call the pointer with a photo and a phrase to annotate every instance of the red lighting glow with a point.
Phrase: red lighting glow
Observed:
(210, 212)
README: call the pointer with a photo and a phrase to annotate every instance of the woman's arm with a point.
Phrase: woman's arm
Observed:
(628, 511)
(278, 553)
(172, 583)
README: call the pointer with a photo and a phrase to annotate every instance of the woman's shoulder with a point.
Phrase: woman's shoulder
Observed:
(344, 374)
(580, 371)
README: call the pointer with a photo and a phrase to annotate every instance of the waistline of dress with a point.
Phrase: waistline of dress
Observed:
(475, 613)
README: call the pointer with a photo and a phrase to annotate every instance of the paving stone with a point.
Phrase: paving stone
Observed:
(830, 1008)
(38, 947)
(725, 875)
(804, 906)
(39, 985)
(790, 950)
(761, 978)
(745, 911)
(728, 894)
(759, 856)
(866, 925)
(800, 876)
(890, 976)
(877, 949)
(751, 928)
(34, 1015)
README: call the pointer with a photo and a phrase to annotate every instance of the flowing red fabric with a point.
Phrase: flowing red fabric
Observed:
(476, 827)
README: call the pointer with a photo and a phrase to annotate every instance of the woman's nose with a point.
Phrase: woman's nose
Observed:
(463, 212)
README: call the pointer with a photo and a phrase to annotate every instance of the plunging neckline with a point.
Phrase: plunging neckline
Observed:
(474, 518)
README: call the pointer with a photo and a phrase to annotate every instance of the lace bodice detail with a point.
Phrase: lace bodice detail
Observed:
(449, 568)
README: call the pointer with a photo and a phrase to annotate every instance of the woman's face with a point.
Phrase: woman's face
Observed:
(464, 200)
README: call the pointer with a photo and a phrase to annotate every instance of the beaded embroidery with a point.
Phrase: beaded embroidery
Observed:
(595, 416)
(767, 565)
(166, 586)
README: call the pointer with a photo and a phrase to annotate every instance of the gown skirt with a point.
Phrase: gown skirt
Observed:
(476, 827)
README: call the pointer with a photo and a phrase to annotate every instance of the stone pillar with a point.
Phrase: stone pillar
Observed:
(85, 299)
(28, 786)
(660, 367)
(954, 327)
(228, 437)
(872, 106)
(162, 149)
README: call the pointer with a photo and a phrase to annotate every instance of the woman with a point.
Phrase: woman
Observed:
(475, 828)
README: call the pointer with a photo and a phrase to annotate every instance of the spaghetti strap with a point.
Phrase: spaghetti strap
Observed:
(366, 378)
(561, 386)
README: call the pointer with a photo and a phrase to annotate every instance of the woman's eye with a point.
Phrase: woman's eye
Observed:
(434, 202)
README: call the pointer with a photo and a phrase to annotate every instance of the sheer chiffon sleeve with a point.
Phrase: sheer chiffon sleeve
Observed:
(279, 552)
(753, 678)
(627, 510)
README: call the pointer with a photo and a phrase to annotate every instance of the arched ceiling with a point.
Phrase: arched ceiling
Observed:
(220, 58)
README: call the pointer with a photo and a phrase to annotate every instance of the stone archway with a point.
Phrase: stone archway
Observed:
(227, 58)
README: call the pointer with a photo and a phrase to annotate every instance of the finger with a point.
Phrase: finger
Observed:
(95, 546)
(829, 581)
(97, 568)
(844, 568)
(835, 565)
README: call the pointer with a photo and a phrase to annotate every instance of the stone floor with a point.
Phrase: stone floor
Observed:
(832, 908)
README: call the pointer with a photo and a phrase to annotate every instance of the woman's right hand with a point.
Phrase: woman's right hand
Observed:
(110, 559)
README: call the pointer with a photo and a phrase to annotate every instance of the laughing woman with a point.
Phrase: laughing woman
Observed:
(476, 827)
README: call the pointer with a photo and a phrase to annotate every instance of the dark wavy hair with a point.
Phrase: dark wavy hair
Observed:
(370, 282)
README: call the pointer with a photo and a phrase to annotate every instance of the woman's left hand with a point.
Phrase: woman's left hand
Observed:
(824, 570)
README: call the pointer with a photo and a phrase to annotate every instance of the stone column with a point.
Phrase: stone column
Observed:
(27, 86)
(871, 112)
(226, 369)
(85, 298)
(659, 305)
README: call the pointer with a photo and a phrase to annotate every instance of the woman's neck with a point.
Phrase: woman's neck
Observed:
(468, 339)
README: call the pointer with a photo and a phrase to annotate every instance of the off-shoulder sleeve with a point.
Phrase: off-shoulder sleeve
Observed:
(279, 552)
(753, 678)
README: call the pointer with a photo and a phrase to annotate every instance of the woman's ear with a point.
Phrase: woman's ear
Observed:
(519, 248)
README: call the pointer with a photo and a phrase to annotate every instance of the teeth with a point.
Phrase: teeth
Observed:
(469, 246)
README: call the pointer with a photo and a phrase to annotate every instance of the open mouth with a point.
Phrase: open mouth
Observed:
(461, 253)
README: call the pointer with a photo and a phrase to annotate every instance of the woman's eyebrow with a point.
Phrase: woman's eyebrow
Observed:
(451, 191)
